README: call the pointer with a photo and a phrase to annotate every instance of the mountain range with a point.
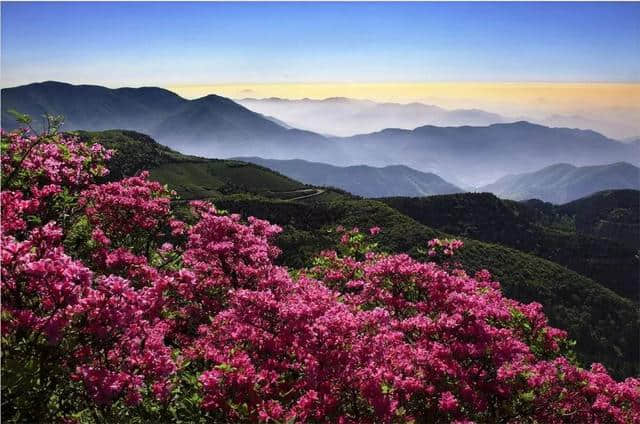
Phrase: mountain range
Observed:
(557, 184)
(361, 180)
(343, 117)
(214, 126)
(479, 155)
(562, 183)
(211, 125)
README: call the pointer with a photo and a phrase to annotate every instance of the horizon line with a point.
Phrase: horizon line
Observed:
(271, 83)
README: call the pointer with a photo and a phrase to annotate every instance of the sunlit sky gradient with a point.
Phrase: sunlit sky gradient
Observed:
(451, 54)
(211, 43)
(560, 97)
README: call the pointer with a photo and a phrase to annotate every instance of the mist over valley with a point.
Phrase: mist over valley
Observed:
(469, 156)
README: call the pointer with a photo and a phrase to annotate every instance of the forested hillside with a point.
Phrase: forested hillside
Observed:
(485, 217)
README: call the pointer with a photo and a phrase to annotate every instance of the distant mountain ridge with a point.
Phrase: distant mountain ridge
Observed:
(344, 117)
(226, 127)
(562, 183)
(479, 155)
(214, 126)
(361, 180)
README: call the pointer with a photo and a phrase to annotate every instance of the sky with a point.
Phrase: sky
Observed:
(516, 56)
(221, 43)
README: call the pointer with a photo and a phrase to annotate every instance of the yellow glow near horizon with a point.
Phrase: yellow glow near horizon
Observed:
(557, 97)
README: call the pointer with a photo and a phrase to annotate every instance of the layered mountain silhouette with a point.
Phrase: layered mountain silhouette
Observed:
(211, 125)
(343, 116)
(214, 126)
(361, 180)
(480, 155)
(562, 183)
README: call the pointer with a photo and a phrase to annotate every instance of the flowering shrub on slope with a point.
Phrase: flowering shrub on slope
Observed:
(114, 310)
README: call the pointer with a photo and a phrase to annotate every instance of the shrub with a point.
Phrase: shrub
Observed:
(115, 310)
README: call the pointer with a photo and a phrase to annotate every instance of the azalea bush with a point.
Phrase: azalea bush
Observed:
(117, 307)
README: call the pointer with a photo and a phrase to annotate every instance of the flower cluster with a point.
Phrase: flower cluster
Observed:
(41, 285)
(126, 208)
(32, 160)
(121, 308)
(445, 247)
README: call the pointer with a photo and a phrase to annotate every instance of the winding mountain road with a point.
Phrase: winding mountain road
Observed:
(317, 191)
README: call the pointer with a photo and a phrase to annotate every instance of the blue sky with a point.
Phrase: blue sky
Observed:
(135, 44)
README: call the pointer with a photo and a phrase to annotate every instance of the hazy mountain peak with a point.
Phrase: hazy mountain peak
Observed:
(49, 83)
(563, 166)
(337, 99)
(343, 116)
(362, 180)
(563, 182)
(213, 98)
(519, 124)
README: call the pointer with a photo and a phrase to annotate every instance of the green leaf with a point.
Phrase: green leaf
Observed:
(386, 388)
(529, 396)
(225, 367)
(21, 118)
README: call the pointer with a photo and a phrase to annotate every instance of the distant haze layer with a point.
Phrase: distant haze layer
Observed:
(610, 108)
(345, 117)
(216, 126)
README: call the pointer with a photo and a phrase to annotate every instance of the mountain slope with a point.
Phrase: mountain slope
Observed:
(209, 126)
(563, 183)
(485, 217)
(192, 177)
(361, 180)
(610, 214)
